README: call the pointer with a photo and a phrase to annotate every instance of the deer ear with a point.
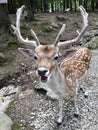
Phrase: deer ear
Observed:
(26, 52)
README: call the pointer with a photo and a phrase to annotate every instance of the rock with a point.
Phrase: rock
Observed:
(4, 79)
(4, 104)
(96, 23)
(86, 94)
(22, 64)
(6, 96)
(93, 44)
(5, 122)
(95, 32)
(89, 34)
(54, 25)
(46, 28)
(25, 14)
(2, 57)
(61, 18)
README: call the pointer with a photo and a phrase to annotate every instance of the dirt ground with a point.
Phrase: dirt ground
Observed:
(32, 110)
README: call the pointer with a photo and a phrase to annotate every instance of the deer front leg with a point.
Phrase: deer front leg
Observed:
(75, 100)
(60, 118)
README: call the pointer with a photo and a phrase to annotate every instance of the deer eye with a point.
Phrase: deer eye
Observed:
(35, 57)
(56, 57)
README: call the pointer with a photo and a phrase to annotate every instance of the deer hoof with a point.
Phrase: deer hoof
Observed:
(59, 121)
(86, 94)
(76, 115)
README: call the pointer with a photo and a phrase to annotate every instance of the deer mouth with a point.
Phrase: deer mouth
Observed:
(44, 79)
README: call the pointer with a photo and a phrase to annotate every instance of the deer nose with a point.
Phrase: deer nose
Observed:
(42, 72)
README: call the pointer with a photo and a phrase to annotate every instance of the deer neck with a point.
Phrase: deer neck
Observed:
(56, 85)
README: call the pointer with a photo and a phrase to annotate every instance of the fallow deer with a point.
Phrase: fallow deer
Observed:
(63, 78)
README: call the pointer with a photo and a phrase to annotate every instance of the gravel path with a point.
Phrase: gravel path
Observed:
(35, 112)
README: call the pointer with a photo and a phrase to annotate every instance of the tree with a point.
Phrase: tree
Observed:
(4, 16)
(80, 2)
(31, 5)
(92, 5)
(50, 5)
(12, 6)
(45, 3)
(96, 4)
(85, 4)
(71, 5)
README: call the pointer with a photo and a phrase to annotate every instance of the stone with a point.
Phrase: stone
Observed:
(93, 44)
(54, 25)
(46, 28)
(5, 122)
(2, 57)
(86, 94)
(61, 18)
(95, 32)
(96, 23)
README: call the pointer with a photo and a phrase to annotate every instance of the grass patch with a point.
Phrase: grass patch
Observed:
(46, 27)
(12, 45)
(16, 126)
(3, 62)
(10, 105)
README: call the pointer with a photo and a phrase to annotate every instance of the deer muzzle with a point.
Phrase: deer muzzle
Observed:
(43, 72)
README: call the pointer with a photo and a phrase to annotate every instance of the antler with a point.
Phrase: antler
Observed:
(59, 34)
(80, 34)
(18, 33)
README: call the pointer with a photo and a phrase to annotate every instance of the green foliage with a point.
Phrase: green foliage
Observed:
(3, 61)
(12, 45)
(11, 104)
(16, 126)
(93, 44)
(46, 27)
(52, 5)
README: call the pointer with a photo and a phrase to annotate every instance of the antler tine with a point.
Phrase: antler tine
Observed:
(59, 34)
(17, 29)
(35, 37)
(80, 34)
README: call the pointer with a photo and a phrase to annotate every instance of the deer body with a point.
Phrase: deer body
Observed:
(63, 78)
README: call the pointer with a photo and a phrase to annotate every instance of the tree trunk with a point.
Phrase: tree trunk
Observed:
(85, 4)
(96, 4)
(12, 6)
(31, 9)
(92, 5)
(75, 5)
(67, 3)
(80, 2)
(45, 3)
(52, 7)
(63, 5)
(41, 5)
(4, 17)
(71, 5)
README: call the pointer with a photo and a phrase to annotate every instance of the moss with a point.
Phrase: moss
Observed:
(93, 44)
(16, 126)
(46, 27)
(12, 45)
(10, 105)
(6, 61)
(3, 62)
(61, 18)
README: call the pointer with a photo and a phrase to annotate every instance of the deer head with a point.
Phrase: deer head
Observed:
(46, 55)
